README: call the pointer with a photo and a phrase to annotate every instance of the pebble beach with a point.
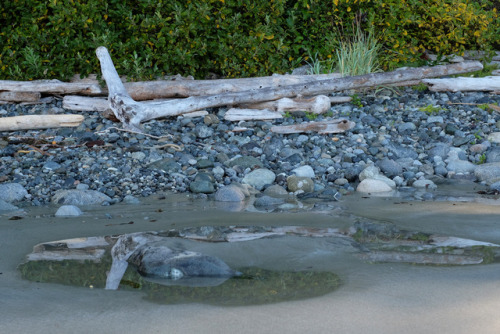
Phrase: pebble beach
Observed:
(403, 140)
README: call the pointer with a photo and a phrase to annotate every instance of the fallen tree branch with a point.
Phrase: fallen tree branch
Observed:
(39, 122)
(132, 113)
(237, 114)
(20, 96)
(51, 87)
(317, 105)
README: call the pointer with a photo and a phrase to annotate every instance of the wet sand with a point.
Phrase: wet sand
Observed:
(375, 298)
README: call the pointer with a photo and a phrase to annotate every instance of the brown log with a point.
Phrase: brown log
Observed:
(334, 126)
(132, 113)
(39, 122)
(20, 96)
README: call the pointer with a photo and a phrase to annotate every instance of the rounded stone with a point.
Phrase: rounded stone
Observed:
(296, 183)
(373, 186)
(427, 184)
(138, 156)
(268, 201)
(229, 193)
(494, 137)
(259, 178)
(10, 192)
(79, 197)
(275, 191)
(69, 211)
(305, 171)
(202, 186)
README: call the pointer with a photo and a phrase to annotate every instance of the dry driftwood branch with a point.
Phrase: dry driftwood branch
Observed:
(334, 126)
(20, 96)
(39, 122)
(464, 84)
(132, 113)
(318, 104)
(51, 86)
(237, 114)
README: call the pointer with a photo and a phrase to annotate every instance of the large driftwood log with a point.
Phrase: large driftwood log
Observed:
(20, 96)
(39, 122)
(464, 84)
(51, 87)
(132, 113)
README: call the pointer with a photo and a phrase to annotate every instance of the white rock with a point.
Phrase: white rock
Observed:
(68, 210)
(259, 178)
(306, 171)
(494, 137)
(373, 186)
(373, 173)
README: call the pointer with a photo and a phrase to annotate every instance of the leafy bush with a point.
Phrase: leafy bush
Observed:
(232, 38)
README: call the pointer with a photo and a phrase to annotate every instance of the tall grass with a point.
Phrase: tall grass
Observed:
(358, 55)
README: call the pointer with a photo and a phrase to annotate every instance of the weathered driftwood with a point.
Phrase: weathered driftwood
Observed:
(132, 113)
(464, 84)
(334, 126)
(20, 96)
(51, 87)
(39, 122)
(420, 258)
(317, 105)
(238, 114)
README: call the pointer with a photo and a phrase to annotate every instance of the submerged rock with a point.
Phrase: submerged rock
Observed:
(68, 210)
(160, 261)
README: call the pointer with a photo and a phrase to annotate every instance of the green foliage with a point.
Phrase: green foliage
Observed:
(421, 87)
(482, 159)
(356, 101)
(233, 38)
(430, 109)
(358, 55)
(311, 116)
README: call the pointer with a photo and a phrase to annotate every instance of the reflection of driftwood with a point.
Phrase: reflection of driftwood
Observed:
(420, 258)
(464, 84)
(335, 126)
(39, 122)
(132, 113)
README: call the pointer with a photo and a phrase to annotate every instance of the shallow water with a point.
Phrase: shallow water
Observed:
(373, 298)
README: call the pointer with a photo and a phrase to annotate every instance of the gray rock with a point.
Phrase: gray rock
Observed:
(158, 260)
(79, 197)
(300, 183)
(495, 186)
(167, 165)
(460, 166)
(426, 184)
(259, 178)
(373, 173)
(408, 126)
(402, 152)
(493, 155)
(266, 201)
(390, 167)
(203, 131)
(488, 172)
(203, 183)
(440, 150)
(305, 171)
(51, 165)
(138, 155)
(10, 192)
(69, 211)
(5, 207)
(435, 119)
(230, 193)
(244, 162)
(275, 191)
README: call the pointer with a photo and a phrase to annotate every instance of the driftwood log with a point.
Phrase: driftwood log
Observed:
(39, 122)
(464, 84)
(131, 113)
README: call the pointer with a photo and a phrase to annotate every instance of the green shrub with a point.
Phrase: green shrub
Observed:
(232, 38)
